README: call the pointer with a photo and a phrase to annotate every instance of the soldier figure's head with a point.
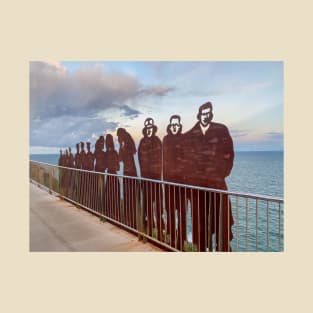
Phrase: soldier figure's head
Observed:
(70, 150)
(175, 127)
(82, 146)
(88, 146)
(205, 114)
(150, 129)
(77, 147)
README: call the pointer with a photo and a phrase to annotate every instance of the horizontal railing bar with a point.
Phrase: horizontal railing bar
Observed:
(233, 193)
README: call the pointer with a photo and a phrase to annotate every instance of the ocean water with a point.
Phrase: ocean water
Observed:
(254, 172)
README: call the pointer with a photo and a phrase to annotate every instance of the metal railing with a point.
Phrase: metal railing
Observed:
(176, 216)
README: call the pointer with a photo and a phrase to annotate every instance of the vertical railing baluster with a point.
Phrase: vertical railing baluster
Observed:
(174, 217)
(89, 190)
(161, 212)
(210, 224)
(228, 199)
(279, 226)
(151, 208)
(105, 198)
(185, 213)
(169, 217)
(256, 225)
(220, 225)
(246, 224)
(156, 211)
(180, 226)
(215, 228)
(237, 226)
(267, 227)
(199, 245)
(94, 181)
(206, 223)
(131, 203)
(109, 194)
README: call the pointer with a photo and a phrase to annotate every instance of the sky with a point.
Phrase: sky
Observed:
(78, 101)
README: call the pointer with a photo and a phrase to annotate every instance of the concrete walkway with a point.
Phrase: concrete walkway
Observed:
(57, 225)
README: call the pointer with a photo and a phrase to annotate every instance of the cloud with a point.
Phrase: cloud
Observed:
(229, 88)
(277, 136)
(67, 131)
(129, 112)
(157, 91)
(239, 87)
(238, 133)
(66, 108)
(55, 92)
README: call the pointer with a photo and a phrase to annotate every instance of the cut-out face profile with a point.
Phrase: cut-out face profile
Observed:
(175, 127)
(205, 114)
(149, 128)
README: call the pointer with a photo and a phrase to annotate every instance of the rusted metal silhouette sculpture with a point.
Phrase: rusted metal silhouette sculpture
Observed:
(77, 165)
(82, 156)
(210, 155)
(89, 159)
(100, 166)
(60, 161)
(126, 153)
(112, 186)
(66, 174)
(66, 158)
(150, 161)
(174, 171)
(88, 179)
(77, 157)
(70, 158)
(99, 155)
(61, 171)
(71, 174)
(83, 175)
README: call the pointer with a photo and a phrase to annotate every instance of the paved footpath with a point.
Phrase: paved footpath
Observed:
(57, 225)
